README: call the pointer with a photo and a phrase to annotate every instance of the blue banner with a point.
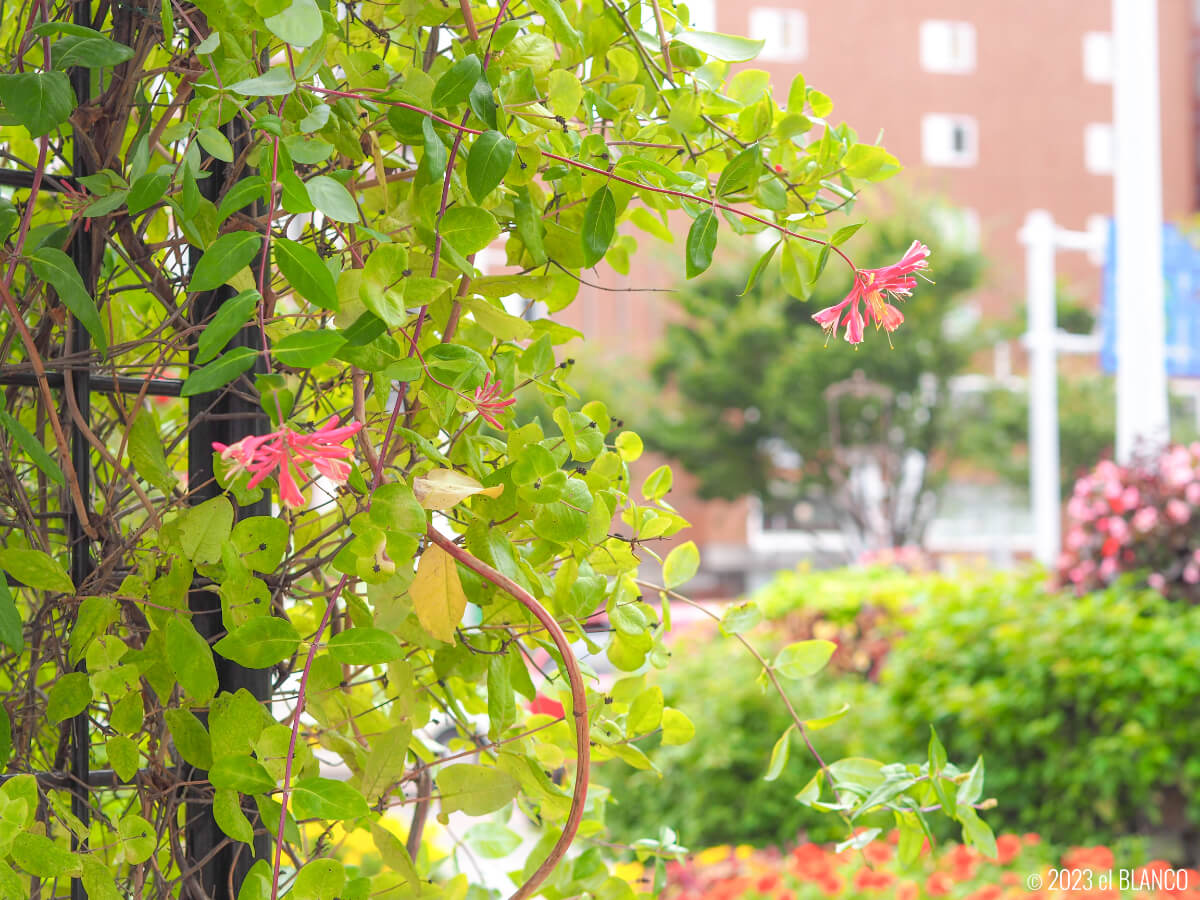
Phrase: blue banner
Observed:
(1181, 294)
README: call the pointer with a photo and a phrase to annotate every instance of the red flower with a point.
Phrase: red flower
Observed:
(939, 884)
(1008, 846)
(877, 854)
(868, 880)
(281, 452)
(767, 883)
(543, 705)
(870, 287)
(487, 404)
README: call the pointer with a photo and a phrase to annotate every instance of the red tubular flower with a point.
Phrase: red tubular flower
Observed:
(870, 288)
(281, 452)
(487, 404)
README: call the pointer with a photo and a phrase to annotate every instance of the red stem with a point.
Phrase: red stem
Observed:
(578, 704)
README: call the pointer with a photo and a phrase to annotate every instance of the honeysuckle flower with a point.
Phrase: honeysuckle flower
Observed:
(871, 287)
(281, 453)
(486, 403)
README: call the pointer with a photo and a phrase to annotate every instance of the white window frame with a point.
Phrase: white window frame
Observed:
(784, 33)
(1099, 148)
(947, 47)
(937, 138)
(1098, 57)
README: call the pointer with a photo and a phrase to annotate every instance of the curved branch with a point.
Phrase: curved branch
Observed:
(578, 703)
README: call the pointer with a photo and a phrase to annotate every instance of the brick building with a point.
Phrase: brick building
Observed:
(1000, 108)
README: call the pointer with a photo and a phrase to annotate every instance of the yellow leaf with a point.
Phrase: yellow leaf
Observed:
(437, 594)
(444, 488)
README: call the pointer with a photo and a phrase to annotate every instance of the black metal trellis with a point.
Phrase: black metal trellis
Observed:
(224, 416)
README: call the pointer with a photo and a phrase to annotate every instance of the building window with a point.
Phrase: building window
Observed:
(1099, 148)
(703, 14)
(948, 140)
(948, 47)
(1098, 57)
(784, 33)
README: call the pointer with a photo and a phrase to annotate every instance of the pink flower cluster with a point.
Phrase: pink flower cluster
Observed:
(1145, 516)
(870, 288)
(282, 452)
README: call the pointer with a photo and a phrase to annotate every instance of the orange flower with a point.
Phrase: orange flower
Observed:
(939, 884)
(767, 883)
(963, 862)
(877, 854)
(907, 890)
(831, 885)
(1098, 858)
(869, 880)
(1008, 846)
(1031, 838)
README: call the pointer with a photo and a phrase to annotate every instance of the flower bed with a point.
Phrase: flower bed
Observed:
(1024, 867)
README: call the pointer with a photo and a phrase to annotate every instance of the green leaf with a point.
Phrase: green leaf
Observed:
(529, 226)
(741, 618)
(68, 697)
(324, 798)
(740, 172)
(455, 85)
(321, 879)
(233, 315)
(825, 721)
(395, 856)
(40, 101)
(435, 157)
(395, 507)
(57, 269)
(36, 569)
(803, 658)
(228, 255)
(241, 773)
(33, 447)
(701, 242)
(385, 762)
(148, 190)
(191, 659)
(138, 838)
(227, 811)
(677, 728)
(844, 234)
(758, 268)
(332, 199)
(275, 82)
(858, 770)
(483, 103)
(681, 564)
(365, 646)
(725, 47)
(219, 372)
(488, 162)
(937, 753)
(869, 162)
(262, 540)
(205, 528)
(299, 25)
(40, 856)
(971, 788)
(123, 756)
(779, 755)
(305, 273)
(88, 51)
(306, 349)
(977, 832)
(215, 144)
(260, 643)
(469, 229)
(796, 269)
(491, 840)
(146, 452)
(645, 713)
(657, 484)
(11, 633)
(502, 703)
(599, 226)
(475, 790)
(190, 737)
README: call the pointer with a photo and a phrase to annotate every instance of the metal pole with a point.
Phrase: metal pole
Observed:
(1038, 236)
(1142, 414)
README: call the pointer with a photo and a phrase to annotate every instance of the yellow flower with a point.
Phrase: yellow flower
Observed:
(713, 855)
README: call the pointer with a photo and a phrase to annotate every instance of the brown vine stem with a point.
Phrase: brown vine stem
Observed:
(60, 438)
(469, 18)
(578, 703)
(566, 160)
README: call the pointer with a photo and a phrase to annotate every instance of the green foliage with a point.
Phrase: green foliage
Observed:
(281, 204)
(748, 369)
(1079, 703)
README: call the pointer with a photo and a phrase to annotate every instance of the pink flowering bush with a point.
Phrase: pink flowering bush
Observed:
(1142, 517)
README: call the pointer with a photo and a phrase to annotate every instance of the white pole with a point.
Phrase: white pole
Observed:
(1140, 321)
(1038, 236)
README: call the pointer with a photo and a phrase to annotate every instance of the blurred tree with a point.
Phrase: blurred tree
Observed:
(747, 410)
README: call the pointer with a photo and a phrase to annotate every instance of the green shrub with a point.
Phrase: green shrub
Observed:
(712, 790)
(1084, 708)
